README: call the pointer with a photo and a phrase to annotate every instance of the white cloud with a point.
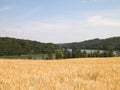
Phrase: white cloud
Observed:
(102, 21)
(39, 26)
(12, 32)
(64, 30)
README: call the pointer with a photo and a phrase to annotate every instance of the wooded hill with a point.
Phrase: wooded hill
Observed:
(95, 44)
(12, 46)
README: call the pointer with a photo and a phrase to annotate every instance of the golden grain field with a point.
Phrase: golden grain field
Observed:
(71, 74)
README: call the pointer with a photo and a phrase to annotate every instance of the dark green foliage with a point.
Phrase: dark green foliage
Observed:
(110, 50)
(59, 54)
(104, 54)
(84, 54)
(67, 54)
(19, 47)
(96, 54)
(95, 44)
(12, 46)
(76, 52)
(109, 45)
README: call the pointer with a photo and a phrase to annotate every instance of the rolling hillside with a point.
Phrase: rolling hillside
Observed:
(12, 46)
(96, 44)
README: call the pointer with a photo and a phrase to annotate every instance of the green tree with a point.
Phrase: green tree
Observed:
(59, 54)
(67, 54)
(76, 52)
(50, 56)
(96, 54)
(84, 54)
(110, 50)
(73, 52)
(104, 54)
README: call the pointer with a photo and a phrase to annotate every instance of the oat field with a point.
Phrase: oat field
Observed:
(70, 74)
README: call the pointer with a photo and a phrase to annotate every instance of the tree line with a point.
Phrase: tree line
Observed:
(13, 47)
(77, 53)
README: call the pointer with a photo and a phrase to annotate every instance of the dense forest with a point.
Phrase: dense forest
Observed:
(20, 47)
(102, 48)
(12, 46)
(95, 44)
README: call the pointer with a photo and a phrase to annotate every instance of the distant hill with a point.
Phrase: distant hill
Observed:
(95, 44)
(12, 46)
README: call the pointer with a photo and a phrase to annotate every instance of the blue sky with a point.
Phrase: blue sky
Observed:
(59, 21)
